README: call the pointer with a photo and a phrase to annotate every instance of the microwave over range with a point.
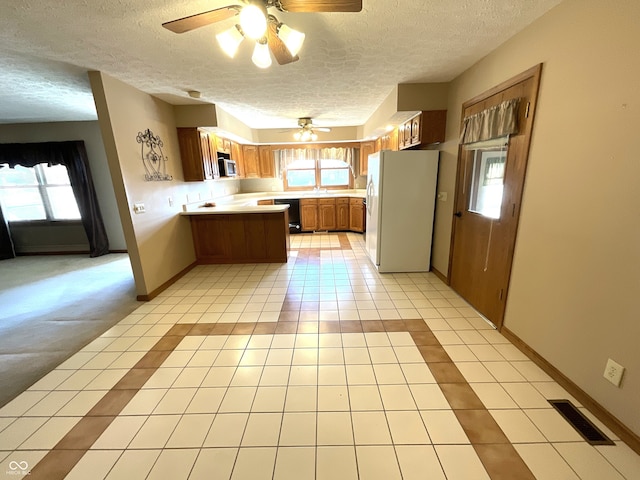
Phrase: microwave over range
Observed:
(227, 167)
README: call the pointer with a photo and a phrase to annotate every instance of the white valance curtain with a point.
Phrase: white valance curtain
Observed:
(493, 123)
(286, 156)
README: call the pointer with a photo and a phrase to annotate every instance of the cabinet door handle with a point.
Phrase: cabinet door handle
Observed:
(458, 214)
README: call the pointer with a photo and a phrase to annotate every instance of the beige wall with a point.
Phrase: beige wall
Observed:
(576, 275)
(90, 133)
(159, 241)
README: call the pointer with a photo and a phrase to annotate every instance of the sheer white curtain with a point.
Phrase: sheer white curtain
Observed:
(286, 156)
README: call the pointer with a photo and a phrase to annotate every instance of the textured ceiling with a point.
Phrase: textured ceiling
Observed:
(349, 63)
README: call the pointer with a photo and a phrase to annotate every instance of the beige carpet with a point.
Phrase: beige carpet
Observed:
(52, 306)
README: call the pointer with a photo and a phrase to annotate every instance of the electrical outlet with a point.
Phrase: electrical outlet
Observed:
(613, 372)
(138, 208)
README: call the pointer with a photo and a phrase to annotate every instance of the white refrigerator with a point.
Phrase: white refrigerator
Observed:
(401, 196)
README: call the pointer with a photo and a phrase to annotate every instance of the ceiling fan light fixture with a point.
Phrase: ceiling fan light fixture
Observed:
(253, 22)
(230, 40)
(261, 57)
(293, 39)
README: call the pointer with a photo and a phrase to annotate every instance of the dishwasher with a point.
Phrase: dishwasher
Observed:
(294, 212)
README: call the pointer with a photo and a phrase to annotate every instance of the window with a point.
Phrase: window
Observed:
(322, 173)
(39, 193)
(487, 182)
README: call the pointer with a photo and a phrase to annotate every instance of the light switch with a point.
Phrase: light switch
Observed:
(442, 196)
(138, 208)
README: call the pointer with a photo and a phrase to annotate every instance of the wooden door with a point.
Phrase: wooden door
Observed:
(483, 243)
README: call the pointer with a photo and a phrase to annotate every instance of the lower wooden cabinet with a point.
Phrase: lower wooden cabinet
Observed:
(241, 238)
(356, 215)
(327, 214)
(342, 213)
(332, 214)
(309, 214)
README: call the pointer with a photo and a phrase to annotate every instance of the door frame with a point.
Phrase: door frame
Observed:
(534, 73)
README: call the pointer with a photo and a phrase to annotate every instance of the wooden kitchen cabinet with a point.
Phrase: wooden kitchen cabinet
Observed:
(236, 154)
(266, 162)
(214, 156)
(342, 213)
(223, 145)
(257, 161)
(389, 141)
(309, 214)
(250, 161)
(198, 161)
(424, 129)
(366, 149)
(327, 214)
(356, 215)
(241, 238)
(332, 214)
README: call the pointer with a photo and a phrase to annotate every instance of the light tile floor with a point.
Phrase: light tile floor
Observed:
(320, 368)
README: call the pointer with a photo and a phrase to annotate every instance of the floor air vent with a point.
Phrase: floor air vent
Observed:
(582, 424)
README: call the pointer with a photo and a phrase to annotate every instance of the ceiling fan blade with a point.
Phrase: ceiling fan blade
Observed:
(322, 129)
(321, 5)
(198, 20)
(277, 46)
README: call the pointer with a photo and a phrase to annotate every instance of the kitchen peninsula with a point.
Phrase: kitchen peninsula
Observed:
(240, 233)
(245, 228)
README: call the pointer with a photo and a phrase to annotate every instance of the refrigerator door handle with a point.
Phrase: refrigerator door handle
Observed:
(369, 190)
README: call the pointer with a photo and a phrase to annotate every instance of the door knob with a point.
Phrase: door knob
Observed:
(458, 214)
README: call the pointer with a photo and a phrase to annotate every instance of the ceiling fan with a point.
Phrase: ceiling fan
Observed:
(255, 22)
(307, 130)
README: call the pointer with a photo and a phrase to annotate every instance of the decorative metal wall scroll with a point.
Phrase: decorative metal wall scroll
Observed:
(153, 160)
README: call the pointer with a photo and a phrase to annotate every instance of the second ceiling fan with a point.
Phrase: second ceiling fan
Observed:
(256, 23)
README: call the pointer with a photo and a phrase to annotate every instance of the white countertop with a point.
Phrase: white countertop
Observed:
(248, 202)
(232, 209)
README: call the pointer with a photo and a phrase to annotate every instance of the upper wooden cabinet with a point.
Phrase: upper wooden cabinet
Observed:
(236, 154)
(199, 158)
(426, 128)
(366, 149)
(266, 162)
(250, 161)
(389, 141)
(257, 161)
(223, 145)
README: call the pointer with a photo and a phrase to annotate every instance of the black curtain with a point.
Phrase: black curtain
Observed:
(72, 155)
